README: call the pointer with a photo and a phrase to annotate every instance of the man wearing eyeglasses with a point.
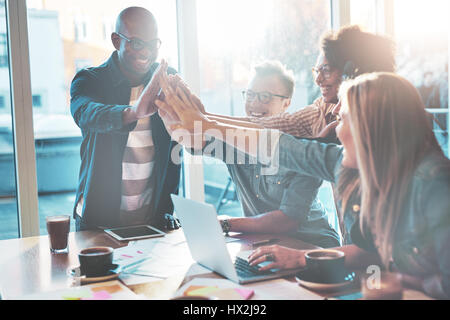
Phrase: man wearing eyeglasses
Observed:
(268, 94)
(126, 174)
(284, 202)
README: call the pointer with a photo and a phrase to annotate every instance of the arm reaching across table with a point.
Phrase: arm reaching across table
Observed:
(182, 110)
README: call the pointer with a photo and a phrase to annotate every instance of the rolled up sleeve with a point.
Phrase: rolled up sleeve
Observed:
(90, 114)
(308, 157)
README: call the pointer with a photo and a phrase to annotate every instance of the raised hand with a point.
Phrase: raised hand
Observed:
(145, 106)
(192, 97)
(178, 106)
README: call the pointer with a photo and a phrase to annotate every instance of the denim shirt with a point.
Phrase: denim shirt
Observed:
(99, 95)
(422, 238)
(261, 191)
(321, 161)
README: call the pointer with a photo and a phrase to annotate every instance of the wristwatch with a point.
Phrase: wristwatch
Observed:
(225, 224)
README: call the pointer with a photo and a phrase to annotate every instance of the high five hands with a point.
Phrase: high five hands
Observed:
(145, 105)
(179, 108)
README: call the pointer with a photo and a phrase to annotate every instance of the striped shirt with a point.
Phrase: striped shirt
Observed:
(305, 123)
(138, 180)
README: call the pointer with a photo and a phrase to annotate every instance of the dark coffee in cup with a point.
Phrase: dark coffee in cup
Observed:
(58, 228)
(327, 265)
(95, 261)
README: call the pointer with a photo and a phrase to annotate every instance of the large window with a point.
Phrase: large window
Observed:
(363, 13)
(64, 37)
(422, 34)
(9, 227)
(234, 36)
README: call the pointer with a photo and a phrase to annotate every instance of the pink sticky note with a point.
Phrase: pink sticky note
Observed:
(245, 293)
(127, 256)
(100, 295)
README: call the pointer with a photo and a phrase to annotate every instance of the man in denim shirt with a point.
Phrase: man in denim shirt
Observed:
(281, 202)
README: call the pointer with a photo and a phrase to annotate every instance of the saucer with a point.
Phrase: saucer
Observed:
(310, 280)
(111, 274)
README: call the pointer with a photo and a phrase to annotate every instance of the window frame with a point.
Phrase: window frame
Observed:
(22, 117)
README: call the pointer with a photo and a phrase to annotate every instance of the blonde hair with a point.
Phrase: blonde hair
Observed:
(275, 67)
(391, 134)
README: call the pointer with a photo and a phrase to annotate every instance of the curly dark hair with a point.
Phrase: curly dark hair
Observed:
(354, 51)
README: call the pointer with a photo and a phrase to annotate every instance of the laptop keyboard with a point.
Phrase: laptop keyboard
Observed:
(245, 270)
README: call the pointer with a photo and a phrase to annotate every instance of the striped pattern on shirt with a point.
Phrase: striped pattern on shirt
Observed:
(307, 122)
(138, 180)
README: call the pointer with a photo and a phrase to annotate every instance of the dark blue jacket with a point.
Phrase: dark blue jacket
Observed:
(98, 97)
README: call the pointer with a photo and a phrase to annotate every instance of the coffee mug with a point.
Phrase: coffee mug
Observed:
(95, 261)
(326, 265)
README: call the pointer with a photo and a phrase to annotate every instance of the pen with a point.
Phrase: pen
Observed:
(262, 242)
(135, 264)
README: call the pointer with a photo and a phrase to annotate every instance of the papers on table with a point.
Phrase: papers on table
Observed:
(133, 254)
(112, 290)
(277, 289)
(154, 259)
(215, 288)
(281, 289)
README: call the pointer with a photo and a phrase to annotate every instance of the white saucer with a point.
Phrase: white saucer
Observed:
(75, 274)
(305, 280)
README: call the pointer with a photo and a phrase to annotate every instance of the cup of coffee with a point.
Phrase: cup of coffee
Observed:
(95, 261)
(58, 228)
(326, 265)
(382, 286)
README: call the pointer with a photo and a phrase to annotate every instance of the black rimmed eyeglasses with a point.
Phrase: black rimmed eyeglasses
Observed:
(324, 70)
(138, 44)
(263, 97)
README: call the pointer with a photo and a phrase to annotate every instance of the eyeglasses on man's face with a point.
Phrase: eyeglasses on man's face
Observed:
(325, 70)
(263, 97)
(138, 44)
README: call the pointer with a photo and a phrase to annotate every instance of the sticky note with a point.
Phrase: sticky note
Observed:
(76, 294)
(110, 289)
(192, 288)
(245, 293)
(226, 294)
(205, 291)
(219, 293)
(101, 295)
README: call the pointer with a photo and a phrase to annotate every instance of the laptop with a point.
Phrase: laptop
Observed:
(208, 247)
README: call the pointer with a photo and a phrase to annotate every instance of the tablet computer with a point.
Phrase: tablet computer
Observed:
(134, 232)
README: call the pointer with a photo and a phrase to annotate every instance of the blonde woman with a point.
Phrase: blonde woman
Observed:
(404, 220)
